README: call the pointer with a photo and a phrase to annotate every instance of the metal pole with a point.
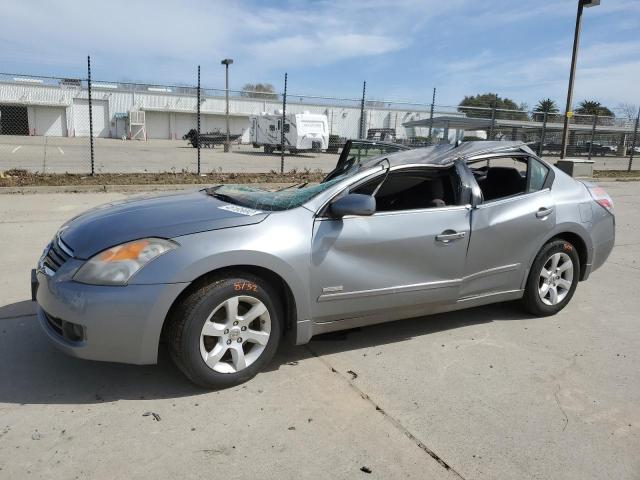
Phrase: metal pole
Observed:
(284, 116)
(90, 116)
(226, 73)
(198, 122)
(593, 134)
(433, 100)
(572, 72)
(542, 134)
(364, 90)
(633, 142)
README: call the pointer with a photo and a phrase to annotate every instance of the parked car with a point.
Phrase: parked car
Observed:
(222, 274)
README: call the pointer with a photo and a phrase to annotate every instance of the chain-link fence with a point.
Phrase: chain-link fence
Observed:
(45, 125)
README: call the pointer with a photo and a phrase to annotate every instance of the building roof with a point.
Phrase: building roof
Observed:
(474, 123)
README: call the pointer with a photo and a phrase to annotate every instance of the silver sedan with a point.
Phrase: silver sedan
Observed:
(223, 274)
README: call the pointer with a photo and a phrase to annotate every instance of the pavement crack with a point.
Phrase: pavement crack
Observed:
(394, 421)
(566, 418)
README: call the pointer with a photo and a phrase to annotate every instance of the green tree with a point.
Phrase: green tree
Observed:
(486, 102)
(259, 90)
(547, 106)
(591, 107)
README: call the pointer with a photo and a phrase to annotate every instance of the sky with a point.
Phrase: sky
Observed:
(519, 49)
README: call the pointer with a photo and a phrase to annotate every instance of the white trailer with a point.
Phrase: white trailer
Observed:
(302, 131)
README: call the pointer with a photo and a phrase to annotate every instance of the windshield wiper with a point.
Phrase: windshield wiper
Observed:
(220, 196)
(296, 185)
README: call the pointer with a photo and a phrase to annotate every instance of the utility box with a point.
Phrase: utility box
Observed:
(576, 167)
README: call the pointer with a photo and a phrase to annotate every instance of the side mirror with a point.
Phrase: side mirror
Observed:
(353, 204)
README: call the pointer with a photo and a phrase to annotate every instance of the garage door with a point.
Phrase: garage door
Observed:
(157, 124)
(184, 123)
(49, 121)
(100, 111)
(212, 123)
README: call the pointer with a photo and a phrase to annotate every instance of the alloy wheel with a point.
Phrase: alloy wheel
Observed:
(556, 278)
(235, 334)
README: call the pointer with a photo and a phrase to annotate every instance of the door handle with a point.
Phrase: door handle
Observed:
(447, 237)
(544, 212)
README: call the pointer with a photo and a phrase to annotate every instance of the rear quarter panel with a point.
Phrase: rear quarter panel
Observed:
(573, 208)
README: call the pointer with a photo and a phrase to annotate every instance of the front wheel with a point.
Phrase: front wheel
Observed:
(224, 333)
(553, 279)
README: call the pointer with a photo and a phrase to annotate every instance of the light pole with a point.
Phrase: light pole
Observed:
(576, 39)
(226, 62)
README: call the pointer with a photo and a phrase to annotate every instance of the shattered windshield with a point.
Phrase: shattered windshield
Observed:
(285, 199)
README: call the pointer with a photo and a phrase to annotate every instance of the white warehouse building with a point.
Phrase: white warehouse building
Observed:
(32, 106)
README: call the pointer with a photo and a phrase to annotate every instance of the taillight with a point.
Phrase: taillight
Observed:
(601, 197)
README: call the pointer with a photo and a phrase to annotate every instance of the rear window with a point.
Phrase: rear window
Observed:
(537, 175)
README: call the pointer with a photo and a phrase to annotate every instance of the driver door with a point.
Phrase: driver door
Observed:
(405, 261)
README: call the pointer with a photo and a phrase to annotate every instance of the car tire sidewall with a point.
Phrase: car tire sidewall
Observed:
(533, 302)
(218, 293)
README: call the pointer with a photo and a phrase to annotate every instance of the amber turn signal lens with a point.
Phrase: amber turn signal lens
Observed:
(129, 251)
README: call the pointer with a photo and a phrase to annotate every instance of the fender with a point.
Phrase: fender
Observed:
(565, 227)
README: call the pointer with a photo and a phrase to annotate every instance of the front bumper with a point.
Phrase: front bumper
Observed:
(118, 324)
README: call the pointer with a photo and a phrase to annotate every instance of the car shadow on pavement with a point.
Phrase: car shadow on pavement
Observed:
(35, 372)
(405, 330)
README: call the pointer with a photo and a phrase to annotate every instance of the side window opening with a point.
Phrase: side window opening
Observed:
(286, 128)
(506, 177)
(413, 190)
(272, 128)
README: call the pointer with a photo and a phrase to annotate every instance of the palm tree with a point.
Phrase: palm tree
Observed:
(547, 106)
(591, 107)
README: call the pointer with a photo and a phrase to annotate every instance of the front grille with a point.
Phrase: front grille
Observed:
(72, 332)
(57, 254)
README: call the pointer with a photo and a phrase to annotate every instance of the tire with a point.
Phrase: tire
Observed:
(207, 309)
(562, 268)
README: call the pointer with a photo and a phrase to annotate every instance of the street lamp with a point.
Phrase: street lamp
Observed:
(576, 38)
(226, 62)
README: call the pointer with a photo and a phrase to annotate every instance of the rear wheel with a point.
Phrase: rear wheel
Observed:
(553, 279)
(225, 333)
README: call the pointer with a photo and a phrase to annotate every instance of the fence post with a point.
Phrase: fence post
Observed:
(198, 122)
(433, 100)
(593, 134)
(493, 118)
(284, 116)
(364, 90)
(633, 142)
(90, 116)
(542, 134)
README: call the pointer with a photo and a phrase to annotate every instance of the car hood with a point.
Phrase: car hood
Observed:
(165, 216)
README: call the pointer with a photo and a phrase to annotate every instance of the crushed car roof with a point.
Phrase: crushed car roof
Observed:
(446, 154)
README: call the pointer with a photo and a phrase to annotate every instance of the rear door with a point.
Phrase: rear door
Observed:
(506, 233)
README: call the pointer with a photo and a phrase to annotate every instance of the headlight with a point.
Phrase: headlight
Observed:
(118, 264)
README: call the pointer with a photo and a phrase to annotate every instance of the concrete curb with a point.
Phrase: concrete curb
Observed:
(27, 190)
